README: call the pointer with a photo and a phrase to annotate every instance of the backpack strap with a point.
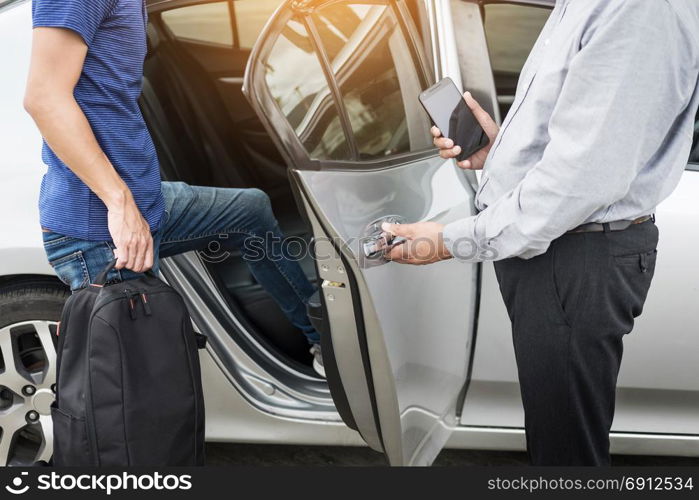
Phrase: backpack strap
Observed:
(102, 277)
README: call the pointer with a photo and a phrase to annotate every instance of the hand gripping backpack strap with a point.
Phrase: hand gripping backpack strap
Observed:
(101, 279)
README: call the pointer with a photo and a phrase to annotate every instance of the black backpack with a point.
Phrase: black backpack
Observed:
(128, 378)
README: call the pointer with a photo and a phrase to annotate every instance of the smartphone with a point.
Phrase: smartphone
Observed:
(450, 113)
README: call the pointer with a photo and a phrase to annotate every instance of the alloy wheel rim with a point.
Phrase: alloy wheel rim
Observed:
(27, 378)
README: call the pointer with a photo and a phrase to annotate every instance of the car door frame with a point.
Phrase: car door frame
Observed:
(295, 154)
(290, 141)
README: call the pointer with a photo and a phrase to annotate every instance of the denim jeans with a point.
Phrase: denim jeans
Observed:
(199, 219)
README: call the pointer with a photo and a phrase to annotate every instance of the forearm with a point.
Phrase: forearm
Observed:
(67, 131)
(525, 221)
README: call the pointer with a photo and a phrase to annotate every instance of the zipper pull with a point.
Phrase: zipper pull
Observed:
(146, 305)
(132, 308)
(131, 304)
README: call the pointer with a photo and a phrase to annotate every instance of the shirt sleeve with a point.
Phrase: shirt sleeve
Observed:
(624, 91)
(81, 16)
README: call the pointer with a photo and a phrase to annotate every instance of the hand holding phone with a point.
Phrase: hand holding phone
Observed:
(464, 130)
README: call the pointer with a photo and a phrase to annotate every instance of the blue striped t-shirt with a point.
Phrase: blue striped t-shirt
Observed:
(107, 92)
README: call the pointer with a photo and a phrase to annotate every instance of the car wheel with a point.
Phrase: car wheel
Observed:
(29, 315)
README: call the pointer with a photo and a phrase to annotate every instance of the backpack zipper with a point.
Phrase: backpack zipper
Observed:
(146, 305)
(131, 302)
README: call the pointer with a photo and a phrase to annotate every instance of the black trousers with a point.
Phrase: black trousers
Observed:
(570, 310)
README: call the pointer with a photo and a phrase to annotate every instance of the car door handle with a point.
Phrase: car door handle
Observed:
(379, 246)
(377, 243)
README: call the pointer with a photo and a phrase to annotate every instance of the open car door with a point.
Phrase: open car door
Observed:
(336, 84)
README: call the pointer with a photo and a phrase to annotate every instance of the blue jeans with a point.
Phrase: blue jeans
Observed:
(202, 218)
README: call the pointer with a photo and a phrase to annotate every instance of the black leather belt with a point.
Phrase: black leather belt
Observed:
(608, 227)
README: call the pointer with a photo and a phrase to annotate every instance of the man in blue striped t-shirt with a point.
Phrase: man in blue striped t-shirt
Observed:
(102, 195)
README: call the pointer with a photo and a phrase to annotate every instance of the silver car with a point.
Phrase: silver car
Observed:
(316, 103)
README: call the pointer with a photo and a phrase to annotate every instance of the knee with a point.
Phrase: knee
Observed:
(258, 205)
(256, 200)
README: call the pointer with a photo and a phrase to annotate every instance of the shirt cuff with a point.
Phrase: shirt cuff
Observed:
(460, 240)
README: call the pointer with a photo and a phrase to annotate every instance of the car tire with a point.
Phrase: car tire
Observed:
(30, 309)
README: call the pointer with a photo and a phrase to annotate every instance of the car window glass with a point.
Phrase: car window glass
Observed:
(208, 22)
(297, 83)
(511, 31)
(377, 75)
(251, 16)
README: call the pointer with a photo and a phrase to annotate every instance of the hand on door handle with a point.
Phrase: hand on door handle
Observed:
(376, 243)
(379, 246)
(424, 243)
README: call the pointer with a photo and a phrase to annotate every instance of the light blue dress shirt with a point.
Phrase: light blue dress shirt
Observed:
(600, 129)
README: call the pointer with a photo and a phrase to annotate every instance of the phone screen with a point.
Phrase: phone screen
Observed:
(450, 113)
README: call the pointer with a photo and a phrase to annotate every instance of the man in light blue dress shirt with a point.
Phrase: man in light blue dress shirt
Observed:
(599, 134)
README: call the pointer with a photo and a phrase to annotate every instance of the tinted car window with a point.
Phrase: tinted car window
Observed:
(378, 77)
(208, 22)
(511, 31)
(306, 101)
(230, 23)
(251, 16)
